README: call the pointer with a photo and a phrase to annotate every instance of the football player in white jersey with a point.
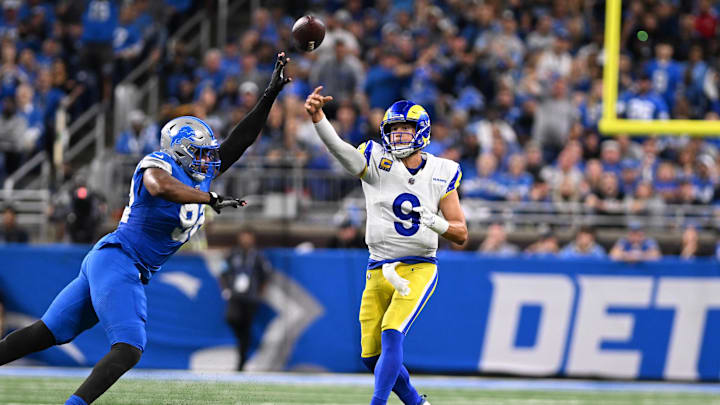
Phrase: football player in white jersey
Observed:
(404, 190)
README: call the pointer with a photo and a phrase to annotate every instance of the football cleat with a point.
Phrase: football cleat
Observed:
(423, 400)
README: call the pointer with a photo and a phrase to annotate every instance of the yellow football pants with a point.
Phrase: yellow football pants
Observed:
(382, 308)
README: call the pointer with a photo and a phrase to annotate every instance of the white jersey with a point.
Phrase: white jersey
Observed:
(393, 230)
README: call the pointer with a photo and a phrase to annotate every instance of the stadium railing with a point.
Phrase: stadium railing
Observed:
(324, 196)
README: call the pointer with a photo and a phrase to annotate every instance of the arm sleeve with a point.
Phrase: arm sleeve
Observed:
(350, 158)
(245, 132)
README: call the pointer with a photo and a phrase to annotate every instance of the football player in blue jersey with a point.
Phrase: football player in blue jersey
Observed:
(167, 194)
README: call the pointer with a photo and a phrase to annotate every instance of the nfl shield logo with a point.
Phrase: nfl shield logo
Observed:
(412, 180)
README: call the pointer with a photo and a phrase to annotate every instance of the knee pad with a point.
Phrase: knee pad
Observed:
(125, 355)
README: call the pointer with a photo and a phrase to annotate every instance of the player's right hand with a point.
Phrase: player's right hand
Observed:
(402, 286)
(218, 202)
(314, 104)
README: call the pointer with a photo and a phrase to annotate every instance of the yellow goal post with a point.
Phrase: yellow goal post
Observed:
(610, 123)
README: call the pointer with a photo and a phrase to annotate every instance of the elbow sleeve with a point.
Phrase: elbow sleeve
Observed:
(350, 158)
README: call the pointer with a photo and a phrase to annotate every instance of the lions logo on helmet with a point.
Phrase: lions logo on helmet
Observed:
(406, 111)
(191, 142)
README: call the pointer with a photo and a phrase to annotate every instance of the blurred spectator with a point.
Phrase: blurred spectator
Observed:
(495, 242)
(553, 119)
(689, 246)
(484, 182)
(386, 80)
(141, 138)
(584, 245)
(86, 213)
(243, 279)
(340, 73)
(11, 232)
(211, 73)
(99, 21)
(127, 42)
(546, 245)
(635, 247)
(517, 182)
(14, 143)
(665, 73)
(610, 157)
(348, 236)
(556, 61)
(643, 104)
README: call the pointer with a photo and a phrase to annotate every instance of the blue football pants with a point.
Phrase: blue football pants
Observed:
(107, 290)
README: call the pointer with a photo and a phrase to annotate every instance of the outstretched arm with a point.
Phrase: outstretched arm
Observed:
(350, 158)
(247, 130)
(160, 183)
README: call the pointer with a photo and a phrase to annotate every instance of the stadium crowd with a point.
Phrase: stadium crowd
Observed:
(68, 54)
(513, 88)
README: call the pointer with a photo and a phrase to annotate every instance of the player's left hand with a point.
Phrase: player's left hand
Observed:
(218, 202)
(279, 80)
(432, 221)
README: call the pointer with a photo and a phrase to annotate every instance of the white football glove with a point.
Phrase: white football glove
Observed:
(401, 285)
(435, 222)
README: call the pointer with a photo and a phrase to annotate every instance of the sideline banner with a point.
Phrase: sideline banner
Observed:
(524, 316)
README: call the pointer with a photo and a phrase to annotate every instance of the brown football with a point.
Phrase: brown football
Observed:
(308, 33)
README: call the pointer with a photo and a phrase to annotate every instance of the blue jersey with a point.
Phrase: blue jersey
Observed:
(152, 228)
(99, 21)
(665, 78)
(646, 106)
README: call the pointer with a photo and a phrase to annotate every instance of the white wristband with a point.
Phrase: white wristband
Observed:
(439, 225)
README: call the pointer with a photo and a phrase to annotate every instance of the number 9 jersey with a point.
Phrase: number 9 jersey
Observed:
(153, 228)
(393, 232)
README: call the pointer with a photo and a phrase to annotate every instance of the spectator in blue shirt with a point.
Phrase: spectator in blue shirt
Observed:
(386, 80)
(636, 247)
(211, 73)
(26, 107)
(643, 104)
(517, 182)
(590, 110)
(485, 182)
(584, 245)
(610, 157)
(705, 179)
(666, 184)
(99, 21)
(127, 43)
(666, 73)
(141, 138)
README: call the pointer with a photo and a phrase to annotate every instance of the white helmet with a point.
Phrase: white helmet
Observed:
(191, 142)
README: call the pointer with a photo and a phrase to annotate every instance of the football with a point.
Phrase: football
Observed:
(308, 33)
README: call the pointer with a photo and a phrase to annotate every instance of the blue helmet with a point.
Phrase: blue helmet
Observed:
(191, 142)
(406, 111)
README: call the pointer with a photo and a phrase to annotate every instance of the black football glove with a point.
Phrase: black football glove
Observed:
(218, 202)
(279, 80)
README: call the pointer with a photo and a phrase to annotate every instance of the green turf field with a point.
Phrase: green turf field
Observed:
(36, 390)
